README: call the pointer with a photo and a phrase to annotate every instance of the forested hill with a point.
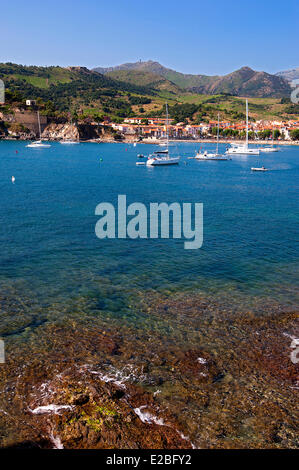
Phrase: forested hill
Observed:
(72, 88)
(120, 94)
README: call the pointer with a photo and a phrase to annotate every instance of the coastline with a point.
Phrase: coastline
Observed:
(156, 142)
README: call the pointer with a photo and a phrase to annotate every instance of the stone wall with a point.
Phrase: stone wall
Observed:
(28, 120)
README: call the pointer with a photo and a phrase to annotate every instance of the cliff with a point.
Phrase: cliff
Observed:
(60, 132)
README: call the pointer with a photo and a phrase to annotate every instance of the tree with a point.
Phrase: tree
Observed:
(294, 134)
(276, 134)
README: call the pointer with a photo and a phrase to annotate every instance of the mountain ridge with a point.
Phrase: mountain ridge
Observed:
(289, 75)
(242, 82)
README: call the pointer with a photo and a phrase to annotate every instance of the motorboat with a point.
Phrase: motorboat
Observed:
(268, 149)
(262, 168)
(38, 144)
(69, 142)
(211, 156)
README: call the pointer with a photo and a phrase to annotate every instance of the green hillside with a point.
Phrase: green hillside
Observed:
(145, 79)
(126, 93)
(242, 82)
(74, 88)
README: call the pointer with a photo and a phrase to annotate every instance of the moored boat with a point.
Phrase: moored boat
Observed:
(243, 149)
(38, 143)
(212, 156)
(262, 168)
(161, 157)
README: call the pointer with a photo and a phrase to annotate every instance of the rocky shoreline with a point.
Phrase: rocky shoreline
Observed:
(105, 134)
(125, 140)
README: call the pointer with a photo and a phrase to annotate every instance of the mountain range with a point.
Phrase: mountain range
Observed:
(142, 89)
(289, 75)
(242, 82)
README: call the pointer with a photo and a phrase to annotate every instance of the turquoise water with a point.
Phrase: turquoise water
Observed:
(51, 259)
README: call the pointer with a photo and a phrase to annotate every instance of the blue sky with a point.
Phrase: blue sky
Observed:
(196, 36)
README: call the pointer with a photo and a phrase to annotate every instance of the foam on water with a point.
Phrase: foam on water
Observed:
(49, 409)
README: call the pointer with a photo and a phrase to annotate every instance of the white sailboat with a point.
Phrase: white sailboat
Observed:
(70, 141)
(271, 148)
(38, 143)
(243, 149)
(161, 157)
(212, 156)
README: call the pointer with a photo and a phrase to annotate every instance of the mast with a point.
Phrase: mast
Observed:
(246, 123)
(39, 127)
(167, 136)
(217, 136)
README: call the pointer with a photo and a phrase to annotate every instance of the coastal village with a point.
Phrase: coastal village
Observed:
(23, 125)
(155, 128)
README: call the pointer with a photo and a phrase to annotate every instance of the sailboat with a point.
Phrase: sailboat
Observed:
(212, 156)
(271, 148)
(38, 143)
(70, 141)
(161, 157)
(243, 149)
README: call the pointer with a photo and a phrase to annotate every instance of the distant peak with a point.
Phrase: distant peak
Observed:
(245, 69)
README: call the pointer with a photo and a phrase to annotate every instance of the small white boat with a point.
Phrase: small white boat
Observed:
(268, 149)
(69, 142)
(262, 168)
(211, 156)
(38, 143)
(140, 163)
(271, 148)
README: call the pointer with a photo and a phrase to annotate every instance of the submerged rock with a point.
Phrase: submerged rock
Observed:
(214, 381)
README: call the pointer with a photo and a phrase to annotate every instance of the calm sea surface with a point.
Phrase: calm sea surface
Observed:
(52, 263)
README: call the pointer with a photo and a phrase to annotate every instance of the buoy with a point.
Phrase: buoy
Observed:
(17, 152)
(13, 179)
